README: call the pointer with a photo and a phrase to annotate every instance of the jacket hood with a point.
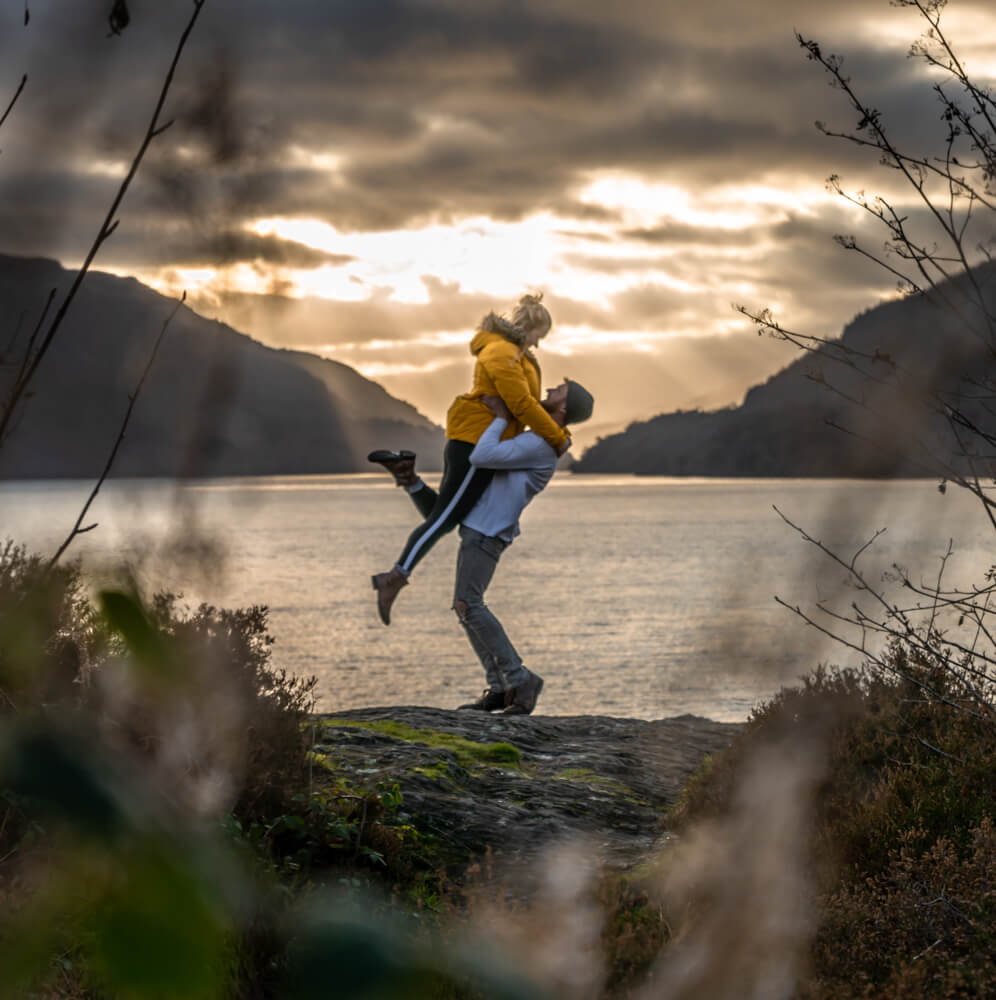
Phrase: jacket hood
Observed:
(494, 324)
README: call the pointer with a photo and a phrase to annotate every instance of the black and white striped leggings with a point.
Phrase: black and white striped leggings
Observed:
(443, 509)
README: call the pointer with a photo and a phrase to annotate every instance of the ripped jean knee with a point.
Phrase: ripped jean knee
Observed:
(471, 611)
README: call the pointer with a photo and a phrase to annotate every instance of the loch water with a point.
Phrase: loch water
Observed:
(636, 597)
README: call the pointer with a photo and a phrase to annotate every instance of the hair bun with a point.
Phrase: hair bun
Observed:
(531, 314)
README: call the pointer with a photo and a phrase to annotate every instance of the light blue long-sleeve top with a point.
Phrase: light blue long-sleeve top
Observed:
(524, 464)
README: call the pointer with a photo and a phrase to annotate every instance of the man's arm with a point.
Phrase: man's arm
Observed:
(511, 385)
(525, 451)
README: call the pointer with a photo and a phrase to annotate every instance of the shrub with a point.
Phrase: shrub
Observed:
(123, 730)
(633, 933)
(233, 649)
(49, 632)
(902, 845)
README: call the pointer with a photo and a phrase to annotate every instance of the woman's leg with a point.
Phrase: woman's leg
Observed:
(424, 498)
(460, 488)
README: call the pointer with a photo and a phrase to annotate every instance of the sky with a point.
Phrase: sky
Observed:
(365, 180)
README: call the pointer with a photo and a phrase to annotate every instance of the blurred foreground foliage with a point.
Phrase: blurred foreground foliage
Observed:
(901, 844)
(164, 833)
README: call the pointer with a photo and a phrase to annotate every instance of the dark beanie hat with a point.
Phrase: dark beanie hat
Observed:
(580, 403)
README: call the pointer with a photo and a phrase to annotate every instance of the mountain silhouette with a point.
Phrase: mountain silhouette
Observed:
(216, 402)
(866, 405)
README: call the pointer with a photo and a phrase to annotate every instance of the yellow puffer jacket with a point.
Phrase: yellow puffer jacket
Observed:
(505, 368)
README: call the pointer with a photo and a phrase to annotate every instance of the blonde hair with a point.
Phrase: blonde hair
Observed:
(531, 314)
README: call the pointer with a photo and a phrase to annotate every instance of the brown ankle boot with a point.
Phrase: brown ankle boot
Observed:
(387, 586)
(401, 465)
(522, 700)
(488, 701)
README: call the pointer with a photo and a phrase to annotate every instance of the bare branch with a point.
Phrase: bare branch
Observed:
(106, 229)
(13, 100)
(132, 399)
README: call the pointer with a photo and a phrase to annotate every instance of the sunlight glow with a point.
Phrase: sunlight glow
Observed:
(968, 29)
(115, 169)
(575, 339)
(772, 201)
(202, 282)
(327, 282)
(440, 339)
(389, 369)
(479, 255)
(298, 156)
(190, 279)
(645, 203)
(730, 207)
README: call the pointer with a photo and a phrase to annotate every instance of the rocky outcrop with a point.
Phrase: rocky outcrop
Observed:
(515, 785)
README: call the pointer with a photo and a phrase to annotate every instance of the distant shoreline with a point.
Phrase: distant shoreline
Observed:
(158, 477)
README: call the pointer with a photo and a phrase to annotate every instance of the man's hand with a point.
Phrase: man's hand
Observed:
(497, 406)
(564, 448)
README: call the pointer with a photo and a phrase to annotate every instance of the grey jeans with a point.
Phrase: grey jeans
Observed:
(476, 563)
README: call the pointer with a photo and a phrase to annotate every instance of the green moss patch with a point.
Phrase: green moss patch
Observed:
(586, 776)
(468, 754)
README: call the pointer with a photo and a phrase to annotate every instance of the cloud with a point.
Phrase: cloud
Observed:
(394, 115)
(222, 249)
(438, 111)
(672, 233)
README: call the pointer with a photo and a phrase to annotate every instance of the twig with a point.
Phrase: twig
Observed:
(938, 750)
(106, 229)
(905, 630)
(26, 360)
(937, 589)
(13, 100)
(13, 339)
(929, 948)
(132, 399)
(944, 901)
(871, 541)
(872, 657)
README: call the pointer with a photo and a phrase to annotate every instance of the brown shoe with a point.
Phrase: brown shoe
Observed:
(387, 586)
(522, 700)
(401, 465)
(488, 702)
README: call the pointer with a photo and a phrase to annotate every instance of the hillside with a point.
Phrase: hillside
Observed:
(216, 402)
(784, 427)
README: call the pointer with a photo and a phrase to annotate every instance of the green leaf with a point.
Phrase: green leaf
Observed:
(379, 960)
(125, 615)
(360, 959)
(160, 932)
(57, 773)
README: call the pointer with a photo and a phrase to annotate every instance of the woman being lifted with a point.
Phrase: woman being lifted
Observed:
(507, 367)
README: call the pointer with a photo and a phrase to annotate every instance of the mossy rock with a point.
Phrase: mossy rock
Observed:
(469, 754)
(473, 782)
